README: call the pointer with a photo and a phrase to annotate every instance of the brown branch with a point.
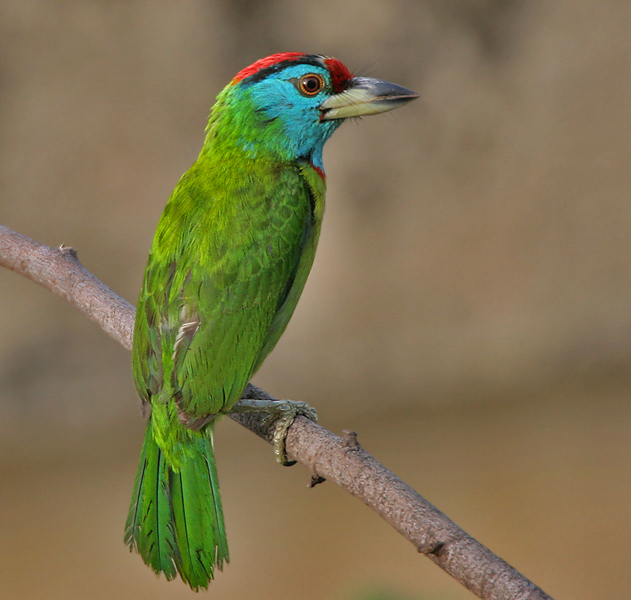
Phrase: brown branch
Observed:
(61, 272)
(327, 455)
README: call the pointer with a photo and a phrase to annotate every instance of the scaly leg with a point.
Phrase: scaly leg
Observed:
(283, 412)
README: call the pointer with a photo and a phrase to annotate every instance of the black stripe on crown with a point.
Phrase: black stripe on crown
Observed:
(309, 59)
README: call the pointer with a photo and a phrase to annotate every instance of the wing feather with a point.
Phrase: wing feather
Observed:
(221, 284)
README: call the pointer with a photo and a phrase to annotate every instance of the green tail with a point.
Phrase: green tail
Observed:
(175, 520)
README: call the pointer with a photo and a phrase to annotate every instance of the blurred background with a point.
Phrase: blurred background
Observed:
(469, 312)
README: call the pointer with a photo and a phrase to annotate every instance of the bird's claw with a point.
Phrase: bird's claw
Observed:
(284, 413)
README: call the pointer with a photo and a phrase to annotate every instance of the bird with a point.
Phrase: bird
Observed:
(228, 263)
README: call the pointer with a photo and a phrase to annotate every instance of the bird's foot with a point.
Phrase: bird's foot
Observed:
(281, 412)
(284, 413)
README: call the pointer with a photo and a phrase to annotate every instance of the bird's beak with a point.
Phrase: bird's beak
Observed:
(365, 96)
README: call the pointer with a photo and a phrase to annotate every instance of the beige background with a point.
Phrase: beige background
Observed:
(469, 312)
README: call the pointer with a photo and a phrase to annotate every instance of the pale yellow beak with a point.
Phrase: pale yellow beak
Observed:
(365, 96)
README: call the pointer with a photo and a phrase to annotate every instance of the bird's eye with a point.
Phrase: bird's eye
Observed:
(311, 84)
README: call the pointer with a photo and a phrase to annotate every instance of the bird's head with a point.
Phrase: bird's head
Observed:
(291, 103)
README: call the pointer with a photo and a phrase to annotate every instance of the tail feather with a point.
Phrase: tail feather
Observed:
(175, 520)
(218, 523)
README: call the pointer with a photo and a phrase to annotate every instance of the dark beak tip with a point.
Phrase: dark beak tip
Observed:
(366, 96)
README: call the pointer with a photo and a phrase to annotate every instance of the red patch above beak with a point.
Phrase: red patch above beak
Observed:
(340, 75)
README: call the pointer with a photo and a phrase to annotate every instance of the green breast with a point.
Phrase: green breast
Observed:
(229, 261)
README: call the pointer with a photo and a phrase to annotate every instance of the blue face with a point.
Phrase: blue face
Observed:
(292, 96)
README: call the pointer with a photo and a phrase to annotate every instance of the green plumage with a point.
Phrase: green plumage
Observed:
(175, 520)
(229, 261)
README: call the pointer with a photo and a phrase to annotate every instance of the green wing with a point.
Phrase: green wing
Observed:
(225, 272)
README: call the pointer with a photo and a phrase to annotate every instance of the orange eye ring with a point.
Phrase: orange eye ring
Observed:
(311, 84)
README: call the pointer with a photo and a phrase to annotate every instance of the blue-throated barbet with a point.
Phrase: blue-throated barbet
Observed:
(229, 260)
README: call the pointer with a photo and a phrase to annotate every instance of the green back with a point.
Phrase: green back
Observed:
(229, 261)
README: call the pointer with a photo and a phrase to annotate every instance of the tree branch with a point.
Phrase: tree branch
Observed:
(327, 455)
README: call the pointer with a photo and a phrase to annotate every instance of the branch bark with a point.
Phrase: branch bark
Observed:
(328, 456)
